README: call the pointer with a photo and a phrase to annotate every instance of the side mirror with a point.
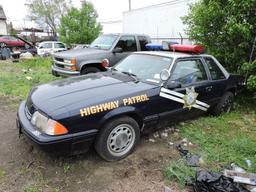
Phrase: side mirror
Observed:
(164, 75)
(173, 85)
(117, 50)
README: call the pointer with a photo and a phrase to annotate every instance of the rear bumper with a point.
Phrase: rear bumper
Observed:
(56, 71)
(69, 143)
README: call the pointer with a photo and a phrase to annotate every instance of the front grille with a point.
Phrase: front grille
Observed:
(59, 65)
(59, 59)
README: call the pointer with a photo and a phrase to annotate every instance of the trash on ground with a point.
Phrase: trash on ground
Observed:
(171, 143)
(26, 55)
(237, 168)
(156, 135)
(152, 140)
(191, 160)
(28, 78)
(207, 181)
(164, 135)
(241, 177)
(248, 162)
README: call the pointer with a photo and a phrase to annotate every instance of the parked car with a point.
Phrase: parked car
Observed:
(111, 109)
(10, 41)
(50, 47)
(113, 47)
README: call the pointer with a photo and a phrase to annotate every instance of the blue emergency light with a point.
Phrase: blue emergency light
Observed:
(154, 47)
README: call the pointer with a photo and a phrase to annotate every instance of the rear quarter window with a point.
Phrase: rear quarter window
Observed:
(214, 69)
(143, 41)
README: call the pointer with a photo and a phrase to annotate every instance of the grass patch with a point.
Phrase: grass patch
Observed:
(2, 173)
(31, 189)
(222, 140)
(16, 79)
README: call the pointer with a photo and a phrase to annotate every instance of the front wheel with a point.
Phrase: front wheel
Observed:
(225, 104)
(118, 138)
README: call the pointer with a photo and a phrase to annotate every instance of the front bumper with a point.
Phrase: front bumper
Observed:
(70, 143)
(56, 71)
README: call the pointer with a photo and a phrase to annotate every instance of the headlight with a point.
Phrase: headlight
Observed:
(47, 126)
(72, 63)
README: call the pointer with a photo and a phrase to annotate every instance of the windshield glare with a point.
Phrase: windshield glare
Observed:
(104, 42)
(145, 67)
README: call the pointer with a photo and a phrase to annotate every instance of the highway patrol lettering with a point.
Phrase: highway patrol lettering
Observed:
(135, 99)
(112, 105)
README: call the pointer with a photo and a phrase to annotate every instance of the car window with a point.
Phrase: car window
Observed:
(46, 45)
(59, 45)
(145, 67)
(189, 71)
(143, 41)
(215, 71)
(104, 42)
(127, 43)
(12, 38)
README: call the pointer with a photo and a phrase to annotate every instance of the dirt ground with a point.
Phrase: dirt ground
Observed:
(26, 168)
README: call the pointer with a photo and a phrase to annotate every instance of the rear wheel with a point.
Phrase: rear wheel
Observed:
(3, 44)
(118, 139)
(89, 70)
(225, 104)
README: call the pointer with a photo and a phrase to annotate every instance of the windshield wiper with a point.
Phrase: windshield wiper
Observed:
(96, 46)
(131, 75)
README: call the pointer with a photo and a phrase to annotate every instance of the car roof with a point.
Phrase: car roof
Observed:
(170, 54)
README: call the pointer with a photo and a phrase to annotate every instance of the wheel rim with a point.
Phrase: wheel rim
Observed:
(226, 107)
(121, 140)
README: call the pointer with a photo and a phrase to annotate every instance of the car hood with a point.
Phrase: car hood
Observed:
(82, 91)
(76, 53)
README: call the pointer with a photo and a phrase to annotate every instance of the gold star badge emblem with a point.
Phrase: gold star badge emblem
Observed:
(190, 98)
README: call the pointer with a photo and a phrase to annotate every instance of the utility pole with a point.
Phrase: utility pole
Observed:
(130, 5)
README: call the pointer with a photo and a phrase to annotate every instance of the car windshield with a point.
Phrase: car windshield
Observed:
(144, 67)
(104, 42)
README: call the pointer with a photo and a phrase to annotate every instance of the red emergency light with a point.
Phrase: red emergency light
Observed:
(187, 48)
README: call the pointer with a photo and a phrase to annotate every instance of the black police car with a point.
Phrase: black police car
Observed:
(111, 109)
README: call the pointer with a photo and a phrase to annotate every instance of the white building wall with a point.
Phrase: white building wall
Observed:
(161, 21)
(3, 28)
(112, 27)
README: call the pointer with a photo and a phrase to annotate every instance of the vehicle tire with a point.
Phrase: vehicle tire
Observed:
(118, 138)
(225, 104)
(3, 44)
(89, 70)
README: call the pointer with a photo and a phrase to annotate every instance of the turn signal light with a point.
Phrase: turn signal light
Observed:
(73, 61)
(55, 128)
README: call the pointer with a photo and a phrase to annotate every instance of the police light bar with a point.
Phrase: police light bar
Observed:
(187, 48)
(154, 47)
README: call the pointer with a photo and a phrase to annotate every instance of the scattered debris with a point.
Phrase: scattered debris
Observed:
(248, 162)
(237, 168)
(156, 135)
(28, 78)
(192, 160)
(214, 182)
(241, 177)
(164, 134)
(152, 140)
(167, 189)
(26, 55)
(171, 143)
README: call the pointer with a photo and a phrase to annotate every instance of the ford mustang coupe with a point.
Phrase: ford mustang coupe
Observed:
(111, 109)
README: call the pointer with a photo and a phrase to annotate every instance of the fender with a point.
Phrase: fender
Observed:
(83, 63)
(122, 111)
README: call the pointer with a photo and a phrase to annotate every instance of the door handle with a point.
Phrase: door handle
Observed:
(209, 88)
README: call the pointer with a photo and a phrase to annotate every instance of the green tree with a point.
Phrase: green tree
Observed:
(80, 25)
(47, 13)
(226, 27)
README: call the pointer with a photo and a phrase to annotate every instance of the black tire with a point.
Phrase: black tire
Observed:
(89, 70)
(3, 44)
(225, 104)
(110, 142)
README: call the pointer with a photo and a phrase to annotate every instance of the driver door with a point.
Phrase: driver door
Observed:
(190, 98)
(128, 45)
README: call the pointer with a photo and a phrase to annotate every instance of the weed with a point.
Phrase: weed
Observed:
(66, 168)
(179, 172)
(31, 189)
